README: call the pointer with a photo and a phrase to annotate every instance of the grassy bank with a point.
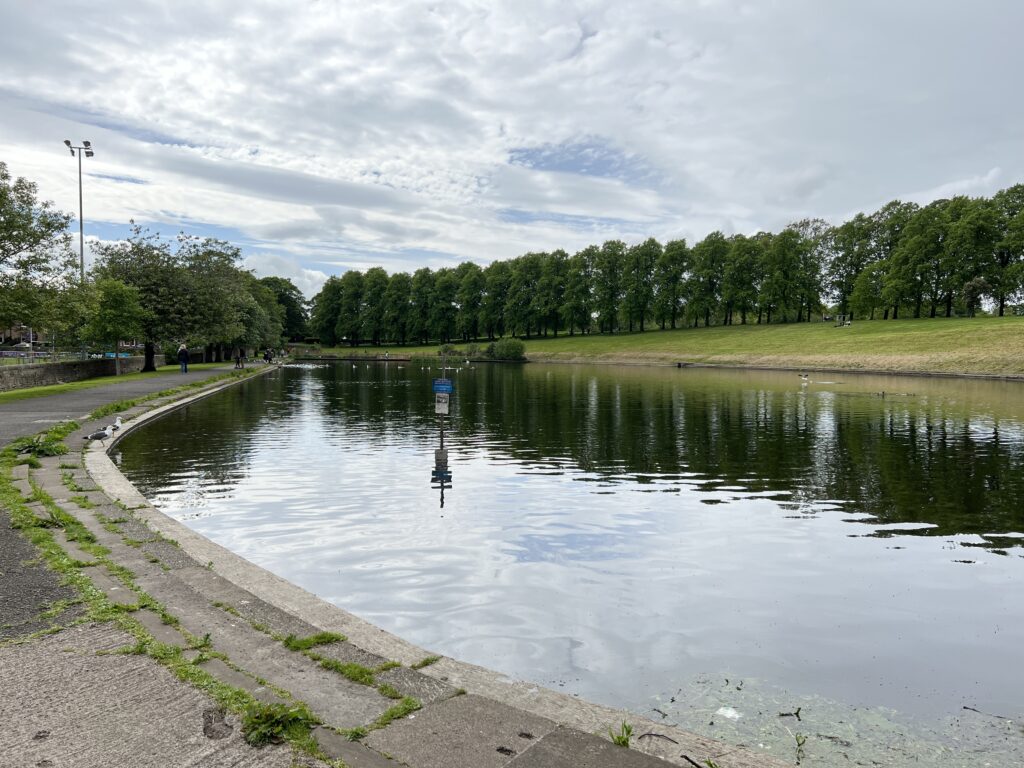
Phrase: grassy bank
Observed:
(993, 345)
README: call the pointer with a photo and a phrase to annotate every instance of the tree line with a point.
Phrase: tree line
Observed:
(950, 256)
(189, 289)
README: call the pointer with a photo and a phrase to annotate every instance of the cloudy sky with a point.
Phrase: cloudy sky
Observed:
(322, 135)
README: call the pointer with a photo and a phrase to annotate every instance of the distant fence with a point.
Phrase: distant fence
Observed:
(43, 374)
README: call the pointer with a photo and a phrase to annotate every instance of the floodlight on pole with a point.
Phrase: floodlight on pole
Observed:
(87, 149)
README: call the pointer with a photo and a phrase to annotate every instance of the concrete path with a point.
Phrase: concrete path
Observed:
(94, 658)
(26, 417)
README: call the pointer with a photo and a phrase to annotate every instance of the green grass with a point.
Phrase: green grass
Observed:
(992, 345)
(305, 643)
(102, 381)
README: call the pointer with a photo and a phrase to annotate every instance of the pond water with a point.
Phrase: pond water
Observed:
(713, 547)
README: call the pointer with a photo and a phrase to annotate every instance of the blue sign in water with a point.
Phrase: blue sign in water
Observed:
(443, 385)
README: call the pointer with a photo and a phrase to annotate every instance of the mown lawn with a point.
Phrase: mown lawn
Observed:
(958, 345)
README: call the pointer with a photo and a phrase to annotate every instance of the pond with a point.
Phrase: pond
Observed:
(711, 547)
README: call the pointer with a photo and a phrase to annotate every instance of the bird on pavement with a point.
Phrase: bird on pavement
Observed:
(103, 434)
(117, 424)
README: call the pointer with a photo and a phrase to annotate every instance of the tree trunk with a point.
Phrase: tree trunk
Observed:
(949, 305)
(150, 352)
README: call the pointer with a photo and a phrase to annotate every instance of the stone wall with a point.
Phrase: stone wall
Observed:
(42, 374)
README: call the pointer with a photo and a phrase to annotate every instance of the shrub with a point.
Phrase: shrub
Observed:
(507, 349)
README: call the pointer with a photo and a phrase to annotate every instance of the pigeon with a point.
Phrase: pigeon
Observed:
(102, 434)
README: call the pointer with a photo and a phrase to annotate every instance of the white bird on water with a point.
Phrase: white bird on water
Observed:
(103, 434)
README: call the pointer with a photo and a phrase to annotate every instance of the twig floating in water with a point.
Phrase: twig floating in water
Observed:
(688, 759)
(792, 714)
(659, 736)
(987, 714)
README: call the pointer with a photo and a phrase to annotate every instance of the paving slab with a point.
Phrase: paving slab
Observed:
(217, 589)
(115, 591)
(162, 633)
(83, 710)
(409, 682)
(352, 753)
(463, 732)
(569, 748)
(218, 669)
(135, 529)
(169, 554)
(339, 701)
(347, 653)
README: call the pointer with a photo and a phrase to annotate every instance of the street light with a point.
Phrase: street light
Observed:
(87, 149)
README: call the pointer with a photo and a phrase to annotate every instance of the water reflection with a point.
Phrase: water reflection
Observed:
(617, 531)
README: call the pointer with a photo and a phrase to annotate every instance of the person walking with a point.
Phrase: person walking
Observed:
(183, 358)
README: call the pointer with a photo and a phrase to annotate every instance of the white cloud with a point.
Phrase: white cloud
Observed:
(341, 134)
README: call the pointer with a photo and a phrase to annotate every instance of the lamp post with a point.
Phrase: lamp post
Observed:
(87, 149)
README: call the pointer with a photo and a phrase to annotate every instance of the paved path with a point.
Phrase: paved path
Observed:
(90, 662)
(26, 417)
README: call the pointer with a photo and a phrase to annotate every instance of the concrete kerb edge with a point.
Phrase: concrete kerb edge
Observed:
(280, 593)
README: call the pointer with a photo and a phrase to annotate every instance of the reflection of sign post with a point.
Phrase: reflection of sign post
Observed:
(441, 403)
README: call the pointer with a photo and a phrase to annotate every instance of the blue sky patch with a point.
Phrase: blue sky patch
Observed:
(590, 157)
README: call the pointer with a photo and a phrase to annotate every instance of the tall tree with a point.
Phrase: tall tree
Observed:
(1009, 251)
(294, 303)
(492, 308)
(421, 300)
(707, 269)
(469, 297)
(551, 290)
(350, 308)
(638, 282)
(578, 299)
(608, 269)
(371, 315)
(324, 313)
(146, 262)
(521, 315)
(670, 271)
(34, 250)
(852, 250)
(397, 305)
(444, 307)
(741, 277)
(117, 315)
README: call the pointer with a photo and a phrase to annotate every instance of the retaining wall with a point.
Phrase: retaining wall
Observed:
(42, 374)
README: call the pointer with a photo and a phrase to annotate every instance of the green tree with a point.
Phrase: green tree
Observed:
(888, 225)
(707, 269)
(550, 290)
(215, 283)
(608, 268)
(638, 281)
(34, 250)
(521, 315)
(325, 309)
(670, 271)
(853, 250)
(444, 306)
(294, 303)
(397, 303)
(741, 276)
(469, 297)
(116, 315)
(578, 299)
(372, 313)
(146, 262)
(422, 299)
(492, 308)
(1009, 250)
(867, 295)
(350, 308)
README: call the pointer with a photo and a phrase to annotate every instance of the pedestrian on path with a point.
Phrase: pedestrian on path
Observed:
(183, 358)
